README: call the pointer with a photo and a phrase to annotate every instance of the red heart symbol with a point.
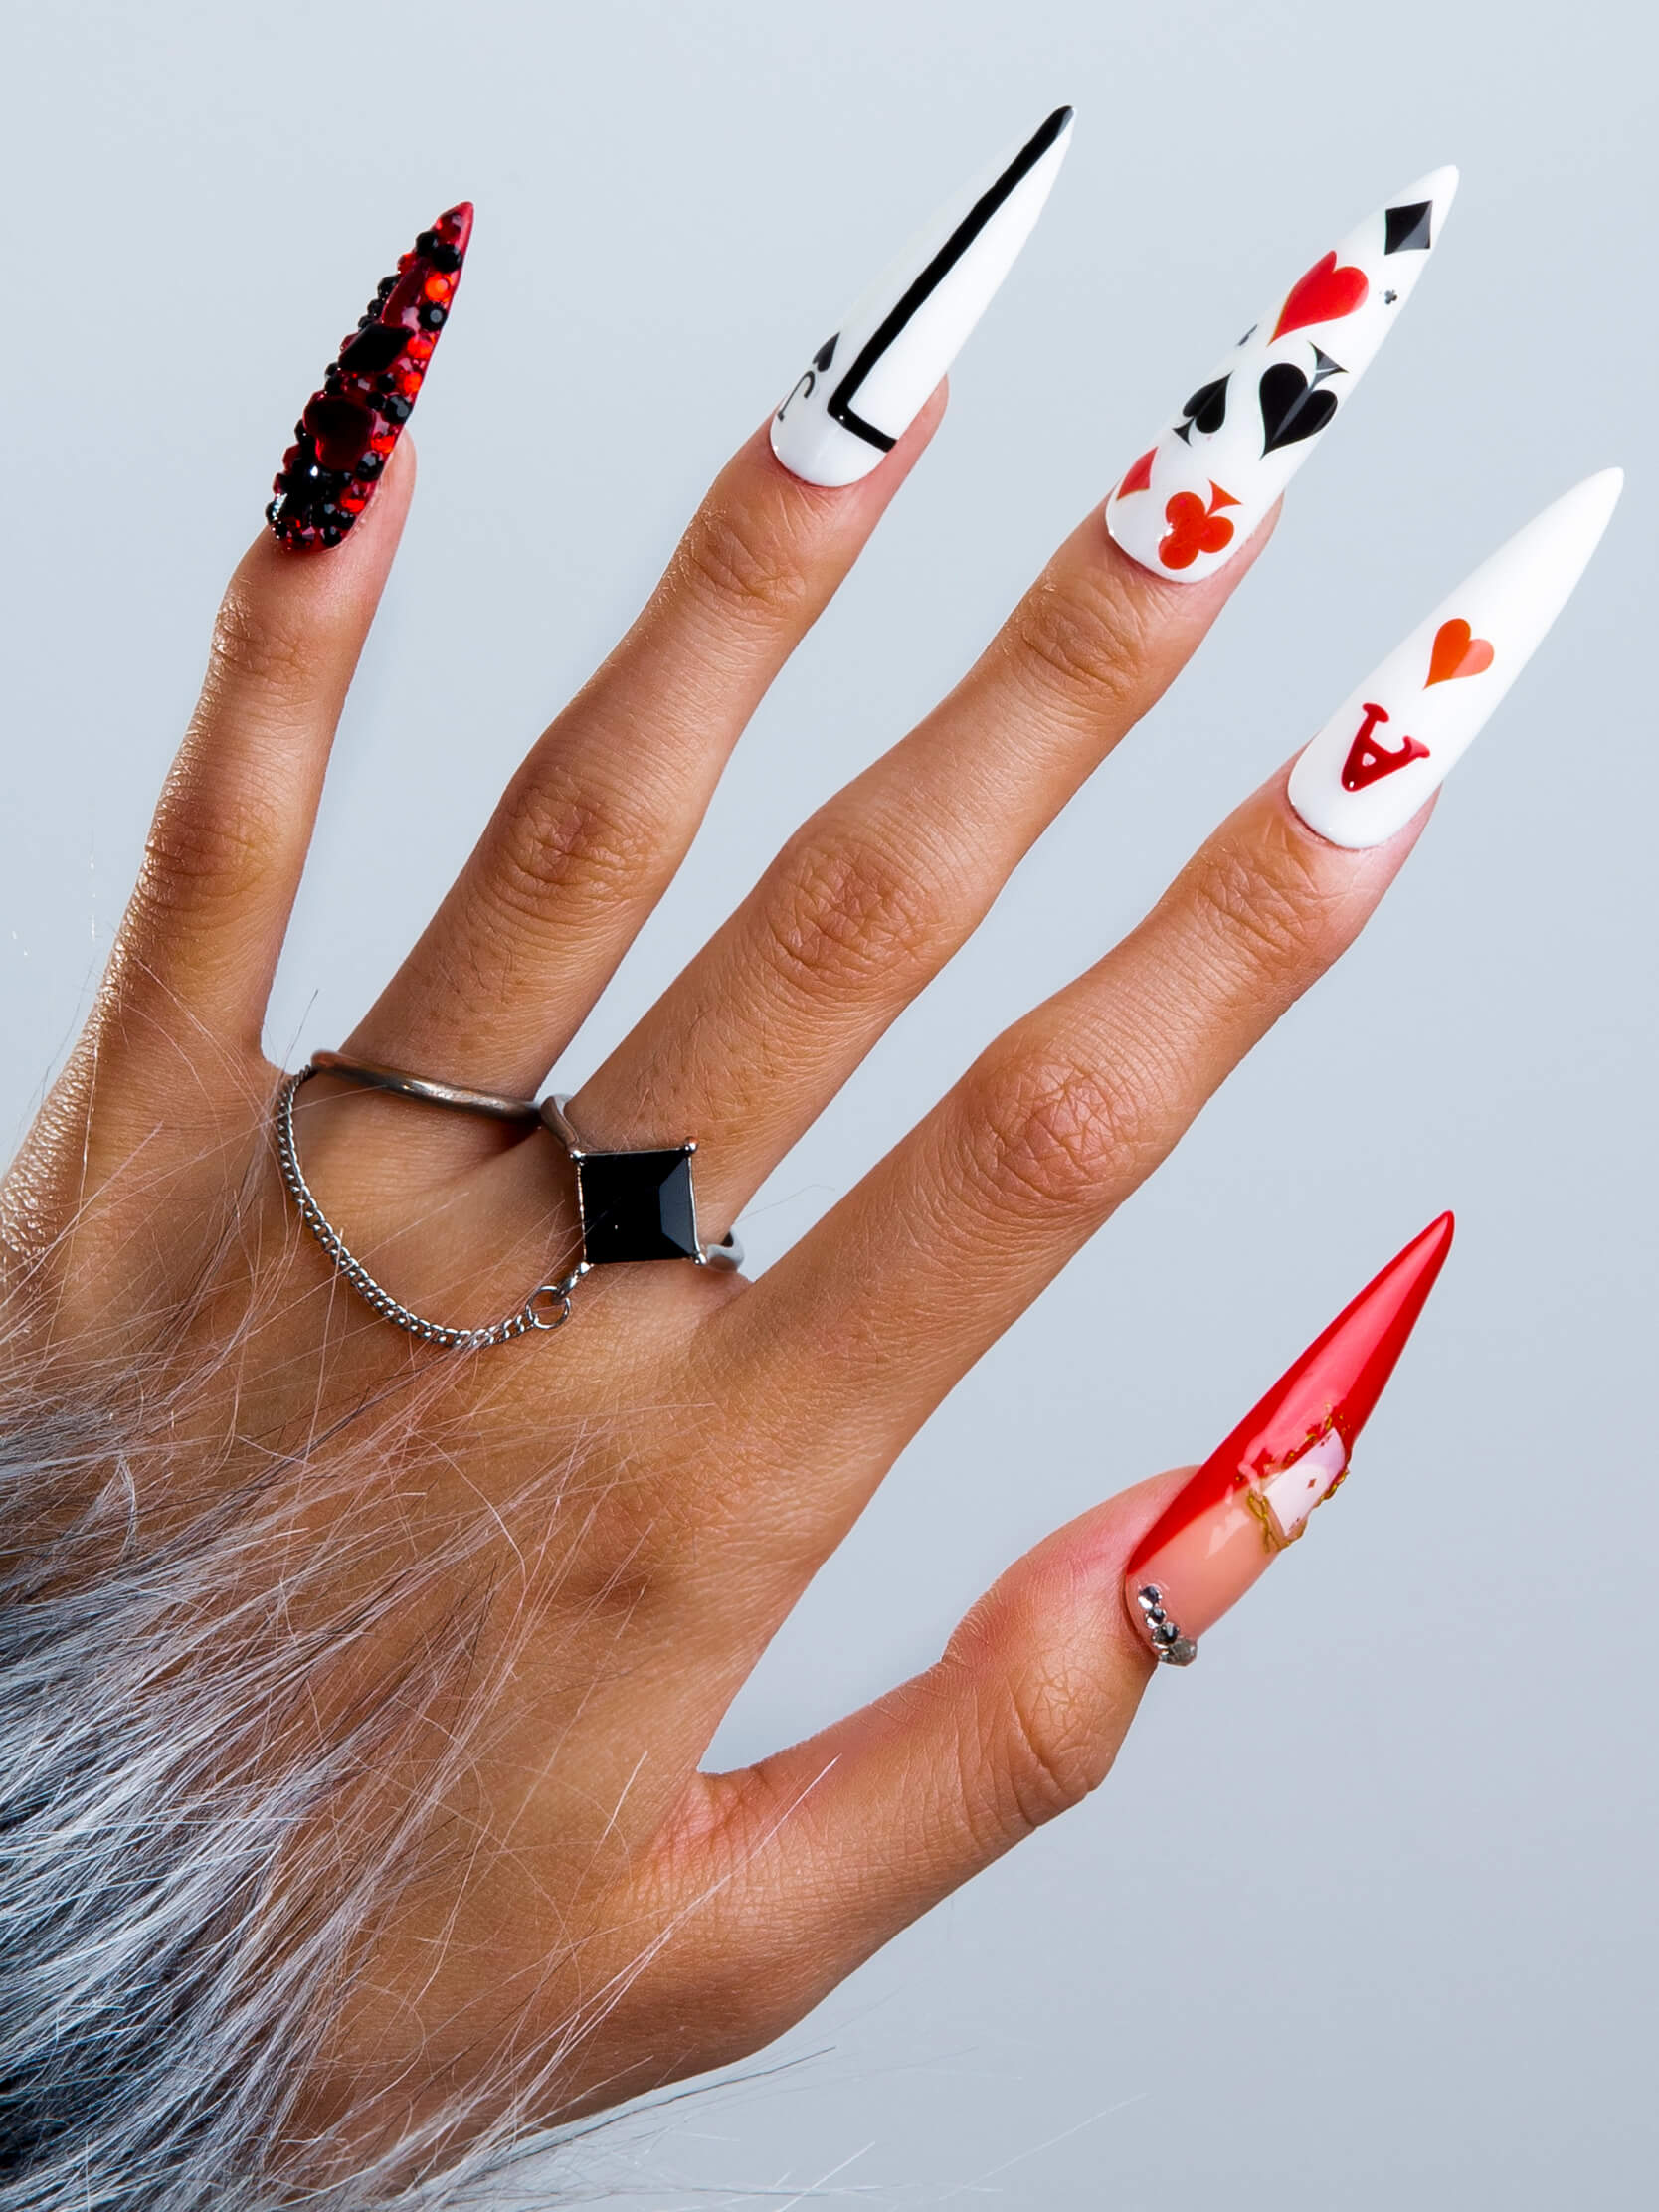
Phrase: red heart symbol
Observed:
(1324, 294)
(1457, 652)
(1194, 528)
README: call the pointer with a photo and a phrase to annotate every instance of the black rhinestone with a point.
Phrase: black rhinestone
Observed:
(385, 288)
(444, 257)
(1157, 1612)
(426, 241)
(373, 316)
(329, 535)
(395, 410)
(432, 316)
(271, 513)
(637, 1205)
(375, 347)
(370, 466)
(1164, 1634)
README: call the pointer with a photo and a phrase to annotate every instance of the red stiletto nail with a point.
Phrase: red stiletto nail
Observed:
(1252, 1497)
(344, 438)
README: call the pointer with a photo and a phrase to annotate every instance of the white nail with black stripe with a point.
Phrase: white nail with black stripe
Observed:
(866, 384)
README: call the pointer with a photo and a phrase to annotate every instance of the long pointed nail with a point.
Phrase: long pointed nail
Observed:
(342, 439)
(1196, 495)
(866, 384)
(1252, 1497)
(1396, 738)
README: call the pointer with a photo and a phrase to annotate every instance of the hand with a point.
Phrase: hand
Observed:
(470, 1620)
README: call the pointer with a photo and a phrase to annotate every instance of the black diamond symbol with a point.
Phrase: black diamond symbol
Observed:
(637, 1205)
(1407, 228)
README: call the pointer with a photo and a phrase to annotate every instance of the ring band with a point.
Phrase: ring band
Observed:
(630, 1206)
(547, 1306)
(373, 1078)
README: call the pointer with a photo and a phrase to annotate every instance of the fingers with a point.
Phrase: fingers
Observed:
(868, 900)
(599, 817)
(842, 1840)
(595, 824)
(904, 1285)
(883, 886)
(197, 948)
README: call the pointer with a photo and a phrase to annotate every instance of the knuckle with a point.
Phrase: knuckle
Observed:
(249, 651)
(1082, 638)
(1264, 911)
(741, 564)
(850, 909)
(197, 854)
(1033, 1753)
(551, 839)
(1047, 1131)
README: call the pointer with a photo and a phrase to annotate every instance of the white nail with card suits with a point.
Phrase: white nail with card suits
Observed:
(866, 385)
(1394, 739)
(1195, 497)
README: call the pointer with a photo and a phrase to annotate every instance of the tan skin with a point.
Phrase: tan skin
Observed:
(709, 1441)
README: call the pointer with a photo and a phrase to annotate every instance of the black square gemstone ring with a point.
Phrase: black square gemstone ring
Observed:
(630, 1206)
(635, 1206)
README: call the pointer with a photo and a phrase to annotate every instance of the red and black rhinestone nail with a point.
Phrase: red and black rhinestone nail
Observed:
(348, 428)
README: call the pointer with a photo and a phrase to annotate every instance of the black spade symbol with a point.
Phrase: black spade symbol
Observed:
(1207, 410)
(1406, 229)
(826, 353)
(1291, 409)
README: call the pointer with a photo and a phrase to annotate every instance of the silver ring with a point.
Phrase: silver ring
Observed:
(637, 1205)
(373, 1078)
(546, 1307)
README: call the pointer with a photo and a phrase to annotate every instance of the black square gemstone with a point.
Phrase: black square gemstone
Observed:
(637, 1205)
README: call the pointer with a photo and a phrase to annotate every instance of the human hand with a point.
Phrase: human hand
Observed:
(483, 1611)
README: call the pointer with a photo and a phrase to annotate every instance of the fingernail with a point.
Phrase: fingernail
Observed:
(1196, 495)
(349, 427)
(1252, 1497)
(865, 384)
(1397, 737)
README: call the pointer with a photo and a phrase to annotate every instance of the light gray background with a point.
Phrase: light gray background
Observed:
(1367, 1915)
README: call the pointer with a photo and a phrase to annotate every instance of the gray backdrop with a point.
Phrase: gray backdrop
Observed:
(1367, 1915)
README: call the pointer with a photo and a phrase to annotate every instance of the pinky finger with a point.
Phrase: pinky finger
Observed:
(852, 1834)
(199, 945)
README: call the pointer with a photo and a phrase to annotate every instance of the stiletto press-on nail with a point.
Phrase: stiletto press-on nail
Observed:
(1394, 739)
(1193, 498)
(867, 383)
(1252, 1497)
(348, 428)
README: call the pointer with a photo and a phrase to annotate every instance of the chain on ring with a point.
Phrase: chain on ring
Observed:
(546, 1298)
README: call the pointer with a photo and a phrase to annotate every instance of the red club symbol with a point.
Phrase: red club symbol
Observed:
(1367, 762)
(1195, 528)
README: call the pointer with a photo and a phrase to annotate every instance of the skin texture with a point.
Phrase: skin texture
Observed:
(625, 1516)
